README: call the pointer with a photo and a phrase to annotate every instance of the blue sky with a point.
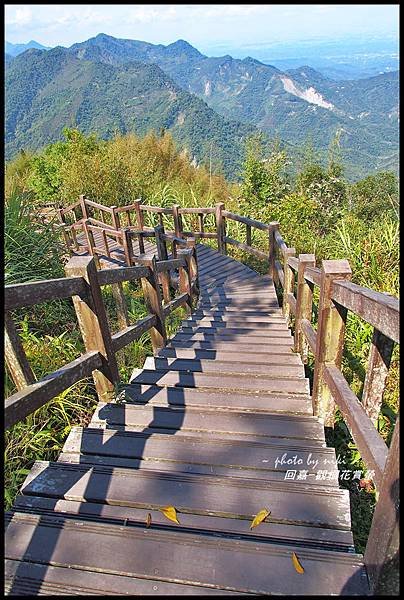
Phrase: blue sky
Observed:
(206, 26)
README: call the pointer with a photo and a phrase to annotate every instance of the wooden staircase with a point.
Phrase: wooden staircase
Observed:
(211, 425)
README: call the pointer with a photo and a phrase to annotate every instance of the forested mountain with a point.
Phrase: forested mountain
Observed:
(47, 91)
(110, 84)
(289, 104)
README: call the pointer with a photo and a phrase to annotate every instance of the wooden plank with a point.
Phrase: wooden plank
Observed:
(111, 276)
(178, 301)
(133, 332)
(27, 294)
(32, 397)
(275, 323)
(379, 309)
(246, 248)
(333, 539)
(222, 382)
(259, 457)
(276, 345)
(216, 366)
(371, 445)
(281, 357)
(194, 494)
(209, 420)
(250, 332)
(313, 274)
(31, 579)
(245, 220)
(198, 560)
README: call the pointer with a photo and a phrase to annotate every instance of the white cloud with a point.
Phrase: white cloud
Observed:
(21, 16)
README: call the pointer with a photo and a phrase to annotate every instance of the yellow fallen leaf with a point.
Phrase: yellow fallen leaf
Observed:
(297, 564)
(259, 517)
(170, 513)
(148, 520)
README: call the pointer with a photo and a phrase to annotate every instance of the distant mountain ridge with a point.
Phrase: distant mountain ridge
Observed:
(47, 91)
(292, 104)
(289, 104)
(16, 49)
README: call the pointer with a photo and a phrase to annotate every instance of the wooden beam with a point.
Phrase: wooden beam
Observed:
(220, 228)
(382, 548)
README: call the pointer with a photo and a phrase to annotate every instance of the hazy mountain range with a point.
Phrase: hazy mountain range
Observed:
(211, 104)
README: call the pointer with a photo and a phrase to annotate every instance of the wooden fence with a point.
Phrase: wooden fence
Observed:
(296, 276)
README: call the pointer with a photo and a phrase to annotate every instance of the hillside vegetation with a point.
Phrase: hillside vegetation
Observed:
(318, 210)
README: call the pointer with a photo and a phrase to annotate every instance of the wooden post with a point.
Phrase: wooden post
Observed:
(121, 307)
(200, 216)
(304, 302)
(381, 554)
(376, 374)
(139, 214)
(288, 282)
(185, 282)
(93, 323)
(248, 235)
(115, 218)
(83, 205)
(127, 246)
(152, 296)
(330, 337)
(220, 228)
(177, 221)
(163, 255)
(16, 359)
(272, 250)
(61, 216)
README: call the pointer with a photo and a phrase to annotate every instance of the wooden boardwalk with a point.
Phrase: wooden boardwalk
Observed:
(207, 426)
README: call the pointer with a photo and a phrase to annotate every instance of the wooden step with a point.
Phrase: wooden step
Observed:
(284, 356)
(210, 421)
(231, 498)
(254, 459)
(220, 331)
(294, 404)
(181, 557)
(275, 325)
(208, 366)
(300, 535)
(223, 381)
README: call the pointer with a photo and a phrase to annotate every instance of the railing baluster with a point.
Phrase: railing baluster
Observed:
(272, 250)
(330, 337)
(185, 283)
(16, 358)
(381, 554)
(304, 301)
(163, 255)
(381, 350)
(288, 282)
(220, 228)
(151, 293)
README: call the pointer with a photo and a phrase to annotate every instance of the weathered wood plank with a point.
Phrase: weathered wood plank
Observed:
(15, 356)
(380, 310)
(198, 559)
(27, 294)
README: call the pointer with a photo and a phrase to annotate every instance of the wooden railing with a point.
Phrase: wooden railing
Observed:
(295, 276)
(83, 284)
